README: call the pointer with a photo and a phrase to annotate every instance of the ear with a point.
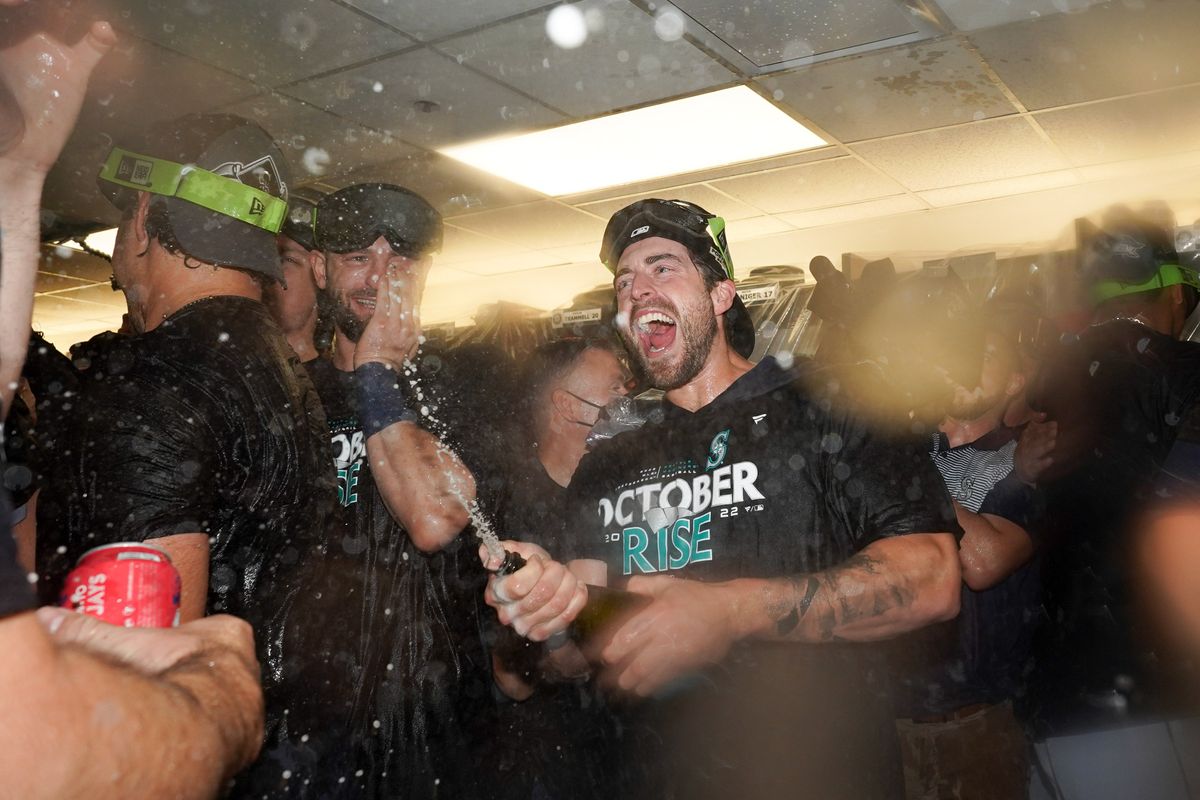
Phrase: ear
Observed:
(137, 227)
(722, 296)
(1178, 298)
(1016, 382)
(316, 262)
(561, 402)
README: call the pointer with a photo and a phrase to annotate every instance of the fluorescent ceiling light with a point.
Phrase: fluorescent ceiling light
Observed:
(100, 240)
(728, 126)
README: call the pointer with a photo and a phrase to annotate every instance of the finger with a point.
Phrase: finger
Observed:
(627, 638)
(88, 51)
(652, 585)
(543, 631)
(490, 562)
(550, 615)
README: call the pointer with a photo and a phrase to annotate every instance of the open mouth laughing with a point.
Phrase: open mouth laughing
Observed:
(655, 330)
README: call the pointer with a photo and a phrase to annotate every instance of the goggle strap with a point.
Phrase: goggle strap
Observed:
(716, 232)
(218, 193)
(1167, 275)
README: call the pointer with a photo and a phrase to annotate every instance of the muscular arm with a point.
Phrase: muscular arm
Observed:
(19, 203)
(80, 721)
(426, 487)
(992, 548)
(890, 587)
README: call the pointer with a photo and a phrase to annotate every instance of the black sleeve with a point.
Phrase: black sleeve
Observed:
(16, 593)
(1179, 480)
(1013, 500)
(153, 469)
(582, 533)
(883, 484)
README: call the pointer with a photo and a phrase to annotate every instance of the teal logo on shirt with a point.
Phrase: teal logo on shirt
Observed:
(718, 450)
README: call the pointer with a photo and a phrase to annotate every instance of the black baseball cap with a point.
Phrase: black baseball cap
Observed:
(222, 179)
(1133, 257)
(702, 233)
(302, 212)
(351, 218)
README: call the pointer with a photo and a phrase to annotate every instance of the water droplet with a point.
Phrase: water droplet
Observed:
(669, 24)
(315, 160)
(566, 27)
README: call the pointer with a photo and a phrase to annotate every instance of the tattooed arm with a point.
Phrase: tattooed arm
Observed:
(890, 587)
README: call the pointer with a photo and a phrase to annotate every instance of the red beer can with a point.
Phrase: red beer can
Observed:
(129, 584)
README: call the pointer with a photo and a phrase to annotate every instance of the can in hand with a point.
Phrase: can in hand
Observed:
(129, 584)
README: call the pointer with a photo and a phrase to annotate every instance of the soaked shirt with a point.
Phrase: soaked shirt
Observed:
(1119, 392)
(401, 679)
(768, 480)
(205, 424)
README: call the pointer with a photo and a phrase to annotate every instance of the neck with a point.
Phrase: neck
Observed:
(301, 339)
(170, 286)
(342, 354)
(960, 431)
(722, 367)
(560, 450)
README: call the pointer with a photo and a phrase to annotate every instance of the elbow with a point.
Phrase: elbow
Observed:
(432, 532)
(978, 578)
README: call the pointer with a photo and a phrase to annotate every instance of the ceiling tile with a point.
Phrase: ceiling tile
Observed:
(973, 15)
(452, 187)
(768, 32)
(743, 230)
(704, 196)
(434, 19)
(74, 264)
(987, 190)
(985, 151)
(623, 64)
(849, 213)
(315, 142)
(499, 265)
(461, 246)
(49, 282)
(899, 90)
(536, 226)
(1108, 50)
(389, 95)
(1133, 127)
(647, 188)
(825, 183)
(270, 42)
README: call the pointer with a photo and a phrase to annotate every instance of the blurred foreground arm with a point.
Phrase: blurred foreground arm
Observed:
(42, 84)
(93, 710)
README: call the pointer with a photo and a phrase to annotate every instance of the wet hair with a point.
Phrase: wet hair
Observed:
(159, 228)
(546, 366)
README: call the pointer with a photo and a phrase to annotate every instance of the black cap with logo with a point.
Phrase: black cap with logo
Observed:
(223, 181)
(702, 233)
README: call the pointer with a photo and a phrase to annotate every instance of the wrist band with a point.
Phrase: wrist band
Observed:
(382, 401)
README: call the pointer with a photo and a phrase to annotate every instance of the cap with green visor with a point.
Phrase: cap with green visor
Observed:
(222, 179)
(701, 232)
(1133, 259)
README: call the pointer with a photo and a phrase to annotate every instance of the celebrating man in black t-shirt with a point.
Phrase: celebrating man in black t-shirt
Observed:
(201, 434)
(770, 528)
(402, 684)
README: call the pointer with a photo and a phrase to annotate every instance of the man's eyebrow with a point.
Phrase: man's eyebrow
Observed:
(661, 256)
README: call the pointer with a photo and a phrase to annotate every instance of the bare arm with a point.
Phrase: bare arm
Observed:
(95, 710)
(992, 548)
(1168, 550)
(189, 554)
(425, 486)
(42, 84)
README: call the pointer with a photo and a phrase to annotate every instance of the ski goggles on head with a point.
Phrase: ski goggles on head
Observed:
(221, 194)
(678, 220)
(351, 219)
(1167, 275)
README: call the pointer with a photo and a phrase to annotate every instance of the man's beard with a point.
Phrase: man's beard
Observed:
(697, 330)
(344, 319)
(967, 409)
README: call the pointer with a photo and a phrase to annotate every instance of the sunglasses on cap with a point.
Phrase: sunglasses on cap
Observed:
(351, 219)
(687, 223)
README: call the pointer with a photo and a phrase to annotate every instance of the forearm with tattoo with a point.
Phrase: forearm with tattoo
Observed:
(890, 587)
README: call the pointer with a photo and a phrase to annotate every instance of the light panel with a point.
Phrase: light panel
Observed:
(728, 126)
(104, 241)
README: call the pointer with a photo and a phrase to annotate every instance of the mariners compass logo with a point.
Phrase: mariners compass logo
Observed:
(718, 450)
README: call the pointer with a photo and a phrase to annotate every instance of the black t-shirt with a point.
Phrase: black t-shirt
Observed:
(206, 424)
(1119, 393)
(769, 480)
(401, 683)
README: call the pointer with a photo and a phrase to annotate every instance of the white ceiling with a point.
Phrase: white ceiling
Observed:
(1012, 102)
